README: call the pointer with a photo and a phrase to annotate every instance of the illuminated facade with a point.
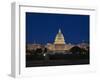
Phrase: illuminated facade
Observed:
(59, 39)
(59, 45)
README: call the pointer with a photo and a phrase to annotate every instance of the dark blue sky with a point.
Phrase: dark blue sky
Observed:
(43, 27)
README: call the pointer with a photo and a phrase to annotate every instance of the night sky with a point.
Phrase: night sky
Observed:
(42, 27)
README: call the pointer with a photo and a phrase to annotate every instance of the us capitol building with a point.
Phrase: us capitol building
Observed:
(59, 45)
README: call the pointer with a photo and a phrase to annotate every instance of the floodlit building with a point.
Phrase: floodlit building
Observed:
(84, 45)
(59, 45)
(33, 46)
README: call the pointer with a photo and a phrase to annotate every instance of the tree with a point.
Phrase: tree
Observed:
(33, 52)
(38, 50)
(76, 49)
(45, 50)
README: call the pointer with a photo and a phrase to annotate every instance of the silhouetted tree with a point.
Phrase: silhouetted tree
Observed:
(45, 50)
(38, 50)
(33, 52)
(76, 49)
(84, 51)
(88, 49)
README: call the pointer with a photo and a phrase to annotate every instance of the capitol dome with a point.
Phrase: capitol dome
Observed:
(59, 39)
